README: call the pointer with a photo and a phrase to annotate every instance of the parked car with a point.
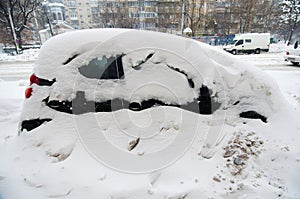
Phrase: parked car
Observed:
(106, 70)
(293, 56)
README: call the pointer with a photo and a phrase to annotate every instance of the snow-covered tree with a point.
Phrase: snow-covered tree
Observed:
(290, 19)
(16, 15)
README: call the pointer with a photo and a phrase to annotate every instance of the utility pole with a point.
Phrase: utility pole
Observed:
(13, 29)
(182, 16)
(45, 11)
(50, 26)
(37, 27)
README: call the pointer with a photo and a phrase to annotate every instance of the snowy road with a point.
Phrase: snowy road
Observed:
(11, 71)
(270, 61)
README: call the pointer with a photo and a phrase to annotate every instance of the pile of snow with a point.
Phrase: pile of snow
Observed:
(264, 59)
(291, 91)
(27, 55)
(229, 157)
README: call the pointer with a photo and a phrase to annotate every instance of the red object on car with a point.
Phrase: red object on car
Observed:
(28, 92)
(34, 79)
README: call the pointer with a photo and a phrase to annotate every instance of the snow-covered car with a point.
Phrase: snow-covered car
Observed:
(293, 56)
(167, 144)
(107, 70)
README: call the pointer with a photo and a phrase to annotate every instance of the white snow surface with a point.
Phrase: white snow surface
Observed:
(248, 158)
(27, 55)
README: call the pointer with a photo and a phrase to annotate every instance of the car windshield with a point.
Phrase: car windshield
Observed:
(233, 42)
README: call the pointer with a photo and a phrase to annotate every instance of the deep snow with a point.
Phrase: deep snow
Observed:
(253, 159)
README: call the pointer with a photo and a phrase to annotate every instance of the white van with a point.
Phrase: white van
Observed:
(249, 43)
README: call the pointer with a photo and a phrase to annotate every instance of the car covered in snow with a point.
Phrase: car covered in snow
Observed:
(141, 92)
(293, 56)
(107, 70)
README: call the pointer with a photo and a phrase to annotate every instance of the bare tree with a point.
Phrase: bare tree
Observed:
(114, 14)
(210, 24)
(258, 15)
(194, 14)
(227, 17)
(16, 14)
(290, 18)
(266, 16)
(5, 36)
(235, 16)
(128, 21)
(247, 13)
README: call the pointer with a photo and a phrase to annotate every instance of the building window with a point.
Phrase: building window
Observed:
(133, 3)
(54, 16)
(71, 3)
(60, 16)
(73, 15)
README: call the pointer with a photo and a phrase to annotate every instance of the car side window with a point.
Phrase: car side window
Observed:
(240, 42)
(247, 40)
(104, 68)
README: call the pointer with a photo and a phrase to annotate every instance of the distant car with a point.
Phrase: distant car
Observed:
(293, 56)
(106, 70)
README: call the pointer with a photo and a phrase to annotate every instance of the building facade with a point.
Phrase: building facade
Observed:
(204, 17)
(79, 13)
(54, 11)
(138, 14)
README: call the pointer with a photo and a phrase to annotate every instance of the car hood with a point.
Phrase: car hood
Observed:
(228, 46)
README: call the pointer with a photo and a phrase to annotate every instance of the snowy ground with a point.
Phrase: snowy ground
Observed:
(268, 165)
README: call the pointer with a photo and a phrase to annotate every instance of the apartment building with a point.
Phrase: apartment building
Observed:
(204, 17)
(144, 13)
(79, 13)
(57, 10)
(226, 15)
(138, 14)
(169, 15)
(157, 15)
